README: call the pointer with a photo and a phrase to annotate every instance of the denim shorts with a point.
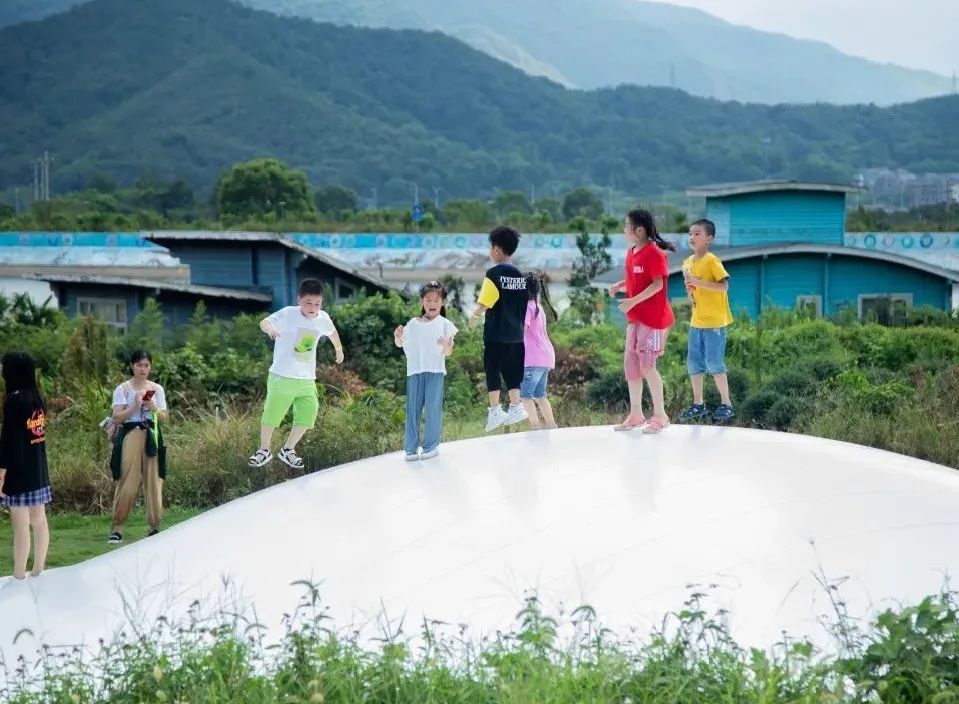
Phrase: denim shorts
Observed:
(534, 382)
(707, 351)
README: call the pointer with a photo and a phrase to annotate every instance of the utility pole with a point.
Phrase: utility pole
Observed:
(46, 175)
(374, 196)
(436, 197)
(36, 180)
(16, 196)
(532, 194)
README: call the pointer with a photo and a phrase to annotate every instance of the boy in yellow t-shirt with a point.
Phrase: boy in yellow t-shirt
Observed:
(707, 283)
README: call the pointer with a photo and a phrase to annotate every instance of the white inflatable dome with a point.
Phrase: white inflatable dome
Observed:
(620, 521)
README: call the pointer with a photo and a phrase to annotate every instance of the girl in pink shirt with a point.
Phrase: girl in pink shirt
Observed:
(540, 356)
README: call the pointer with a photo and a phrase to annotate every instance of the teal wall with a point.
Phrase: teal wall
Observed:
(778, 280)
(755, 219)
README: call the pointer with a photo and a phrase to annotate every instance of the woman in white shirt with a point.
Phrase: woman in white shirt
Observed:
(427, 341)
(139, 407)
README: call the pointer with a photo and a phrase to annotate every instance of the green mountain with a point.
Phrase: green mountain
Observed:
(180, 88)
(601, 43)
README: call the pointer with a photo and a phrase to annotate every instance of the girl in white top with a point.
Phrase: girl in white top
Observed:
(138, 406)
(427, 341)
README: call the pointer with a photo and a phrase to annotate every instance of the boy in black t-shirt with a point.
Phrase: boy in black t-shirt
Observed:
(503, 299)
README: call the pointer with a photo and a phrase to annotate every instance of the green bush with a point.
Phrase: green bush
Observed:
(755, 408)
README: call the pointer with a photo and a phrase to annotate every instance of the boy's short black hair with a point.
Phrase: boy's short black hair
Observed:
(707, 225)
(506, 238)
(310, 287)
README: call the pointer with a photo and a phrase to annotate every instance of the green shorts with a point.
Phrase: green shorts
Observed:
(283, 392)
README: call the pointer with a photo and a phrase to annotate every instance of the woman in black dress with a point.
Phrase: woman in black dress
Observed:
(24, 479)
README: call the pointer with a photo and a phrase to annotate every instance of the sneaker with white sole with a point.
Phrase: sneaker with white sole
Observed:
(412, 456)
(517, 414)
(260, 457)
(115, 538)
(289, 457)
(429, 454)
(495, 418)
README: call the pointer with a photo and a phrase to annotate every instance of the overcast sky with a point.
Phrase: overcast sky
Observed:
(926, 35)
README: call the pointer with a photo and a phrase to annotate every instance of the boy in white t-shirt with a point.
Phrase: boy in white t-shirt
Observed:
(296, 331)
(427, 342)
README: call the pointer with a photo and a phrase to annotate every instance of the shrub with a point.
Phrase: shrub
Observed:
(757, 405)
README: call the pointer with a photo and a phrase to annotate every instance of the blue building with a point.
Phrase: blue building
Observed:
(263, 261)
(111, 275)
(783, 243)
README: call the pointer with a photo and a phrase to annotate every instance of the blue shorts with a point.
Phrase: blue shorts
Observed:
(534, 382)
(707, 351)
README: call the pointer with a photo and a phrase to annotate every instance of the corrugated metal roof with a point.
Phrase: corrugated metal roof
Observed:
(209, 291)
(727, 254)
(75, 239)
(75, 255)
(719, 190)
(278, 238)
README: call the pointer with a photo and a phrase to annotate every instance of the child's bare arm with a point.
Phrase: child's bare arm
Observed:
(651, 290)
(710, 285)
(477, 314)
(447, 344)
(338, 346)
(267, 327)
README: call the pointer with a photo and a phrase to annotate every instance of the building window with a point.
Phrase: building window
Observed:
(344, 292)
(884, 308)
(112, 311)
(809, 305)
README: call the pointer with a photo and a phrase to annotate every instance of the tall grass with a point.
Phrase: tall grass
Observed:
(907, 657)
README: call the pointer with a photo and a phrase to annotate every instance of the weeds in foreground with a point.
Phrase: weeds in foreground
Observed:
(906, 657)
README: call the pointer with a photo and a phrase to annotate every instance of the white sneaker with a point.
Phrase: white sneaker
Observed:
(495, 418)
(517, 414)
(430, 454)
(412, 456)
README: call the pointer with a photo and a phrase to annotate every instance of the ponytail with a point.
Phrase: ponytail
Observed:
(640, 217)
(537, 287)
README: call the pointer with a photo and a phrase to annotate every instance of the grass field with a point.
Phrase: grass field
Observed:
(75, 538)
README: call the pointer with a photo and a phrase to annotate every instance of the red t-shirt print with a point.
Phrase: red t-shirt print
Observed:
(643, 266)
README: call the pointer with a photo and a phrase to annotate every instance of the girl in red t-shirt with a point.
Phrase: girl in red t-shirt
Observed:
(649, 316)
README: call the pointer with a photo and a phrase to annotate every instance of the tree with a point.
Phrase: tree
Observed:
(582, 201)
(262, 186)
(6, 211)
(454, 292)
(176, 196)
(101, 183)
(148, 329)
(507, 202)
(427, 223)
(594, 259)
(463, 212)
(550, 205)
(334, 199)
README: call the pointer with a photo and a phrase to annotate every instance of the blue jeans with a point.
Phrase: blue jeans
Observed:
(424, 391)
(706, 353)
(534, 382)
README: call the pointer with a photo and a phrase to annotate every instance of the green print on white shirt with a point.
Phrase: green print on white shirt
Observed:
(294, 350)
(306, 344)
